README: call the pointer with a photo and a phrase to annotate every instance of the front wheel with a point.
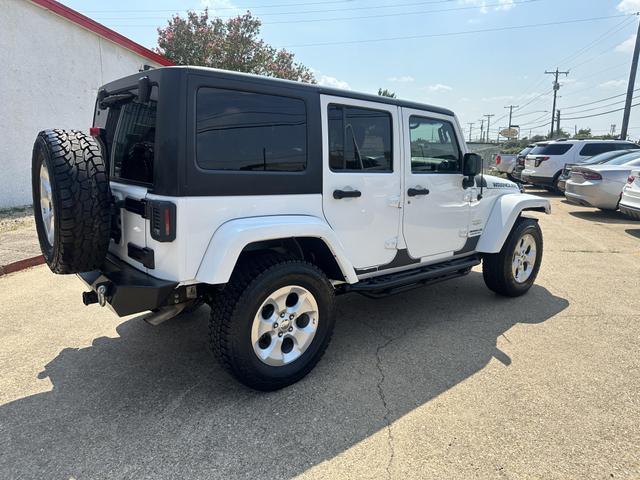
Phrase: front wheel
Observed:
(512, 271)
(272, 322)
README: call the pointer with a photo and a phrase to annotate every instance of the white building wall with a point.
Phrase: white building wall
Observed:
(50, 70)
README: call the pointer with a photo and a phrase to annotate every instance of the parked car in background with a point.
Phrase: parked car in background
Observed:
(595, 160)
(600, 186)
(505, 163)
(544, 163)
(519, 164)
(630, 200)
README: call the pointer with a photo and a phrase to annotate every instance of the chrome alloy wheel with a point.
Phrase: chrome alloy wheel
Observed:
(285, 325)
(524, 258)
(46, 203)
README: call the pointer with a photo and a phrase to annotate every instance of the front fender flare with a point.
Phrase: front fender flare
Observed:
(232, 237)
(503, 216)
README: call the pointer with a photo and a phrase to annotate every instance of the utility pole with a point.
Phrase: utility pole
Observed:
(558, 124)
(482, 130)
(511, 107)
(630, 88)
(470, 129)
(489, 123)
(556, 87)
(613, 129)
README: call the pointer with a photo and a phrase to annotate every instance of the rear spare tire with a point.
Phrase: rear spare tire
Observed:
(71, 200)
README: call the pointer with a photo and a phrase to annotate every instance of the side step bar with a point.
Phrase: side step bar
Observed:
(392, 283)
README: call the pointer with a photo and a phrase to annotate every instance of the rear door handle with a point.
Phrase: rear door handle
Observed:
(340, 194)
(414, 192)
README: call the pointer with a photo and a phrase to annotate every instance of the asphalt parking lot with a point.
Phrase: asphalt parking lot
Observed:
(449, 381)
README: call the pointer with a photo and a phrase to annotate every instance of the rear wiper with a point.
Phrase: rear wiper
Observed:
(108, 100)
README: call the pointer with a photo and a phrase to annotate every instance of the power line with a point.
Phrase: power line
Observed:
(597, 101)
(601, 113)
(450, 34)
(297, 12)
(234, 8)
(385, 15)
(337, 19)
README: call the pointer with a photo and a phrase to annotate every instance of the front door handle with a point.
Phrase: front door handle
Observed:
(414, 192)
(340, 194)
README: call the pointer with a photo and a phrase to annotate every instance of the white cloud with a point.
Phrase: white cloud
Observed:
(629, 6)
(613, 83)
(439, 87)
(498, 98)
(221, 7)
(503, 5)
(403, 79)
(327, 81)
(628, 45)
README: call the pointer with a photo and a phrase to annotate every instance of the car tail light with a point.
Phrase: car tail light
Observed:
(588, 174)
(162, 217)
(631, 179)
(498, 159)
(539, 160)
(95, 131)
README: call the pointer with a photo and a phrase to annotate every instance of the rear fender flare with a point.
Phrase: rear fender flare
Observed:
(503, 216)
(229, 240)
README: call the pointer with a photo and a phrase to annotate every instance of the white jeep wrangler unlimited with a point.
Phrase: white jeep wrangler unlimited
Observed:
(266, 198)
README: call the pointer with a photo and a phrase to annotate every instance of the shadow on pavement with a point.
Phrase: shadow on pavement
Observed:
(153, 403)
(634, 232)
(602, 216)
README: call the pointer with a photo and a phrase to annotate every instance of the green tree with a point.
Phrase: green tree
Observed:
(560, 134)
(232, 44)
(583, 133)
(386, 93)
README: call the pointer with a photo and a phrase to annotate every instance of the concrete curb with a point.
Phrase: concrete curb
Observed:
(21, 265)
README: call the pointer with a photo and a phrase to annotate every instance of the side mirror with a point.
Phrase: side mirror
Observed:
(471, 164)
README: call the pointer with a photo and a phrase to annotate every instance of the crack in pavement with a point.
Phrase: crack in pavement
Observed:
(383, 397)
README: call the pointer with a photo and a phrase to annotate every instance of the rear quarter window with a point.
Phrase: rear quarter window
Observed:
(246, 131)
(591, 149)
(554, 149)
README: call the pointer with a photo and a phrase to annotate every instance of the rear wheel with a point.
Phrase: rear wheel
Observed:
(71, 200)
(272, 322)
(513, 270)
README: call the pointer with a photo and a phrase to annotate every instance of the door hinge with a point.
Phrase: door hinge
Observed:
(391, 243)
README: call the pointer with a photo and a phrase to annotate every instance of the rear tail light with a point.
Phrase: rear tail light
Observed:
(95, 131)
(162, 219)
(588, 174)
(498, 159)
(539, 160)
(631, 179)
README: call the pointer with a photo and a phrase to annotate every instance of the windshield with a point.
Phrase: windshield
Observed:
(605, 157)
(551, 149)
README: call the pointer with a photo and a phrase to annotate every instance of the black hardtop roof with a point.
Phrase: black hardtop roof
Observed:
(259, 79)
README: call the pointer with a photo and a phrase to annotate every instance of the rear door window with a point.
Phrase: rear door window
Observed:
(246, 131)
(551, 149)
(359, 139)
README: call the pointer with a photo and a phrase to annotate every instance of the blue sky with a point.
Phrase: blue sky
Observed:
(473, 73)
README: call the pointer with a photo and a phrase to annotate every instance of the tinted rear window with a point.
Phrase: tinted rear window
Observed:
(248, 131)
(552, 149)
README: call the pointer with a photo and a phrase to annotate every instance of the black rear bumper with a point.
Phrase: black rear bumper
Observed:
(127, 289)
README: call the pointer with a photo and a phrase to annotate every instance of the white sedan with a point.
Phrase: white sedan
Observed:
(600, 186)
(630, 201)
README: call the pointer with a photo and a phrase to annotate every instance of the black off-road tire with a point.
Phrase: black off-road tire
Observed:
(496, 267)
(80, 200)
(233, 310)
